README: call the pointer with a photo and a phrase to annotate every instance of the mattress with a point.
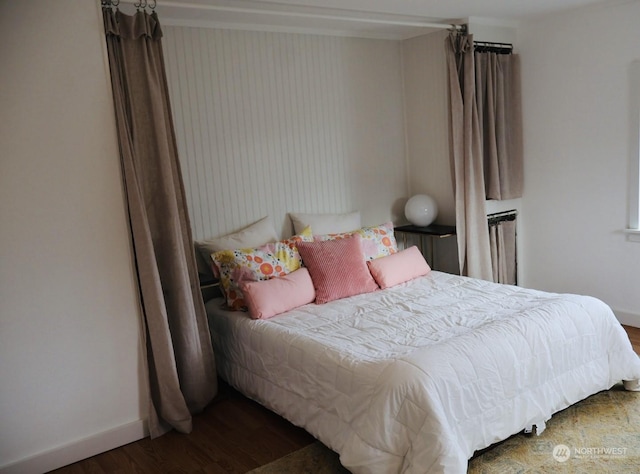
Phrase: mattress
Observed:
(416, 378)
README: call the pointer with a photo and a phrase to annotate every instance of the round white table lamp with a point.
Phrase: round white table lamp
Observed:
(421, 210)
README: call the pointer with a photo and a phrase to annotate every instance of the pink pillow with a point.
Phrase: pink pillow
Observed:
(337, 268)
(266, 298)
(399, 267)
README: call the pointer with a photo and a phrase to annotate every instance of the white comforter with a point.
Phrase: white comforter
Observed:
(415, 378)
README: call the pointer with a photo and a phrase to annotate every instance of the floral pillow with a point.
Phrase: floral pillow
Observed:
(255, 264)
(378, 241)
(254, 235)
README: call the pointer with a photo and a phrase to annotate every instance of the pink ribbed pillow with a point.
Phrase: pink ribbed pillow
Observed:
(399, 267)
(337, 268)
(267, 298)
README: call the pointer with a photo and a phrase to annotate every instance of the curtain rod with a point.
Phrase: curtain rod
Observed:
(493, 47)
(200, 6)
(502, 216)
(490, 43)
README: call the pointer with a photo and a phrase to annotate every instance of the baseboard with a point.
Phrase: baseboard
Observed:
(79, 450)
(627, 318)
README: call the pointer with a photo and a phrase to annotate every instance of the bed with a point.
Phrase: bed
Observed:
(398, 368)
(417, 377)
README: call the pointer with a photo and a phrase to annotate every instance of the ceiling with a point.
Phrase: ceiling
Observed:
(395, 19)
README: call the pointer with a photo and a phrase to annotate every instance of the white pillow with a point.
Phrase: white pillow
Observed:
(257, 234)
(325, 223)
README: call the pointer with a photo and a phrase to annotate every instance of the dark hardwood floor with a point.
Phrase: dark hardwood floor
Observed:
(634, 337)
(233, 435)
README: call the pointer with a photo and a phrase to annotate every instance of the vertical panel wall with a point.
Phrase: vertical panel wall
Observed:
(269, 123)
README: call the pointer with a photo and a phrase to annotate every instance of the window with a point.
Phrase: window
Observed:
(633, 227)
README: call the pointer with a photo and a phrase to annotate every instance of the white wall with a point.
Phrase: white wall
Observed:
(427, 118)
(426, 105)
(493, 31)
(577, 144)
(71, 381)
(269, 123)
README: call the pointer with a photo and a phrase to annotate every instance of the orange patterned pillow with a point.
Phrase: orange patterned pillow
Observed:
(377, 241)
(254, 264)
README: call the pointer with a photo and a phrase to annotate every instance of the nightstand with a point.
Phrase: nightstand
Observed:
(432, 232)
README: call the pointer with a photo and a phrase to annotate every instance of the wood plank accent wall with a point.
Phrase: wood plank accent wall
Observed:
(269, 123)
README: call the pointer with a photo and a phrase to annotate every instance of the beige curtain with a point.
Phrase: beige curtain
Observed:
(466, 158)
(498, 98)
(503, 252)
(181, 364)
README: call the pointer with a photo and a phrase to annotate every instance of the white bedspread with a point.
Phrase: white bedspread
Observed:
(415, 378)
